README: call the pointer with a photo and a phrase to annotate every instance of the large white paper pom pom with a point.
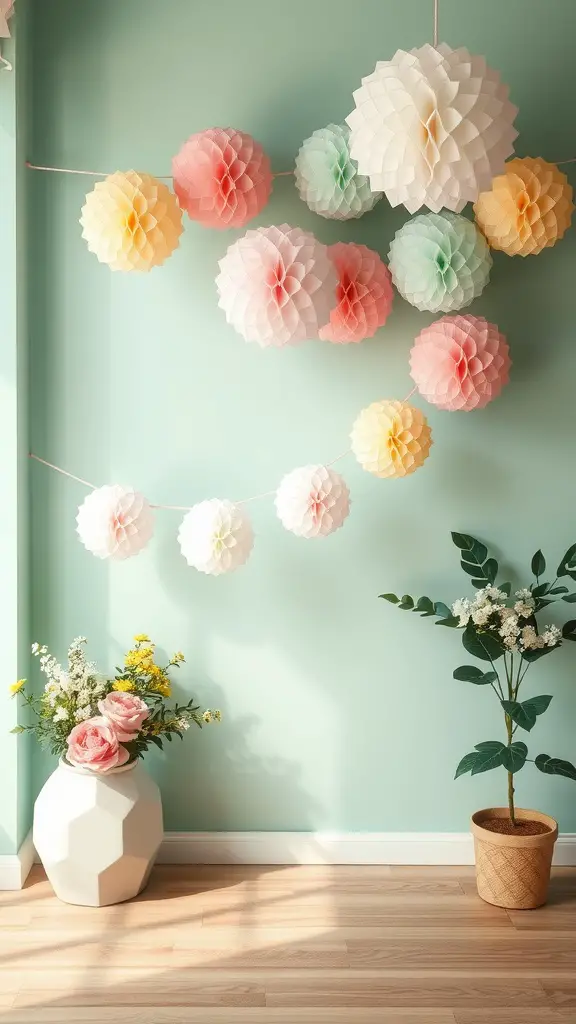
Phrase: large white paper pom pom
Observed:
(277, 286)
(215, 537)
(115, 522)
(432, 127)
(312, 501)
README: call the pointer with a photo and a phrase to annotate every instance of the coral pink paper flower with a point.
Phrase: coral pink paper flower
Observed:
(222, 178)
(126, 713)
(94, 745)
(364, 294)
(460, 362)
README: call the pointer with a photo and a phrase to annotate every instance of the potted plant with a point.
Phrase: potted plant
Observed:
(513, 846)
(98, 819)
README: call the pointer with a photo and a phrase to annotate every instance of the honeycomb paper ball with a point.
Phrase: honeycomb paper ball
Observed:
(327, 178)
(277, 286)
(312, 501)
(432, 127)
(115, 522)
(131, 221)
(528, 208)
(439, 261)
(215, 537)
(364, 294)
(391, 439)
(222, 177)
(460, 362)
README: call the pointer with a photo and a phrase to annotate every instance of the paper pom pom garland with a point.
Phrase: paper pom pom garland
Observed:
(131, 221)
(277, 286)
(115, 522)
(528, 208)
(432, 127)
(439, 261)
(222, 178)
(364, 294)
(312, 501)
(216, 537)
(460, 363)
(327, 178)
(391, 439)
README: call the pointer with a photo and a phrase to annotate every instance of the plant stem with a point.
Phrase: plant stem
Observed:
(509, 730)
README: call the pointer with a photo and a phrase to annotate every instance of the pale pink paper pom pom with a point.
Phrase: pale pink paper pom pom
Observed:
(115, 522)
(216, 537)
(222, 178)
(364, 294)
(312, 501)
(277, 286)
(460, 362)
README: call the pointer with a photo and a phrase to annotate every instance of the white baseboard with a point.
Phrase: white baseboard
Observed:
(331, 848)
(15, 868)
(418, 848)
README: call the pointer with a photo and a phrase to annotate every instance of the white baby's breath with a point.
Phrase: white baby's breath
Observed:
(61, 714)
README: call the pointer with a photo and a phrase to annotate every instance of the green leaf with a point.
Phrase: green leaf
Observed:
(472, 674)
(538, 563)
(555, 766)
(390, 597)
(540, 704)
(506, 588)
(491, 569)
(490, 755)
(569, 630)
(466, 764)
(540, 652)
(514, 756)
(425, 605)
(481, 645)
(559, 590)
(451, 621)
(568, 563)
(478, 584)
(522, 714)
(471, 568)
(407, 603)
(17, 730)
(442, 609)
(540, 590)
(569, 598)
(463, 541)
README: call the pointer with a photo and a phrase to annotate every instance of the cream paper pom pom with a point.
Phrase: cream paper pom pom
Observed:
(312, 501)
(115, 522)
(215, 537)
(131, 221)
(391, 439)
(277, 286)
(432, 127)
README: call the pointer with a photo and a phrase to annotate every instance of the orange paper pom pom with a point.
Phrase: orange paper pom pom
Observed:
(391, 439)
(528, 208)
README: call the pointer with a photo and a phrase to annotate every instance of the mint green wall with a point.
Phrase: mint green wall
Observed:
(339, 712)
(15, 754)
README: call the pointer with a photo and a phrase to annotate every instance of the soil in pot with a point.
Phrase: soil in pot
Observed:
(522, 828)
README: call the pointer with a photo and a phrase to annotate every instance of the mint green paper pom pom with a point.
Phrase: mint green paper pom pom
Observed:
(439, 261)
(327, 178)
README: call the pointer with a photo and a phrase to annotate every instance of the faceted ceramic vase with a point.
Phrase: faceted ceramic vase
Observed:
(98, 835)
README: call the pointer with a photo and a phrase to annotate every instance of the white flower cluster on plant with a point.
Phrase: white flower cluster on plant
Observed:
(72, 693)
(489, 612)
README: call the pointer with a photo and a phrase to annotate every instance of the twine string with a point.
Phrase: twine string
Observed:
(106, 174)
(435, 36)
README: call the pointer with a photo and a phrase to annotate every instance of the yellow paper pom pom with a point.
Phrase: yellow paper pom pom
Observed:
(528, 208)
(391, 439)
(131, 221)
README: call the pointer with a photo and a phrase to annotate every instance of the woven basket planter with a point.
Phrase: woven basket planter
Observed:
(513, 871)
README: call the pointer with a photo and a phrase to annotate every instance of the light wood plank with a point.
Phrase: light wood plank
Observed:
(528, 952)
(231, 1015)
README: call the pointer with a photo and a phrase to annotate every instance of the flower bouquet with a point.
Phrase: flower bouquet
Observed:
(513, 846)
(98, 820)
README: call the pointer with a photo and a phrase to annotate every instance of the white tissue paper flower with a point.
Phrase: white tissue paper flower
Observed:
(312, 501)
(215, 537)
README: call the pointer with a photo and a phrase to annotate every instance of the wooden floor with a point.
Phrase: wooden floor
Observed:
(276, 945)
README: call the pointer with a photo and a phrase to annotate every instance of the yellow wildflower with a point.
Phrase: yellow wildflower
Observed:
(207, 717)
(16, 687)
(142, 638)
(124, 685)
(217, 716)
(178, 656)
(163, 688)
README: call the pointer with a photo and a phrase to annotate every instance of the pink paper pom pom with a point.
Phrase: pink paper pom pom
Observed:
(312, 501)
(364, 294)
(222, 178)
(460, 362)
(277, 285)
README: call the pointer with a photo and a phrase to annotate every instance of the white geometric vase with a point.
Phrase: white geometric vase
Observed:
(98, 835)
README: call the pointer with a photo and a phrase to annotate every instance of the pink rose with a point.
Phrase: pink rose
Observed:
(125, 712)
(94, 744)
